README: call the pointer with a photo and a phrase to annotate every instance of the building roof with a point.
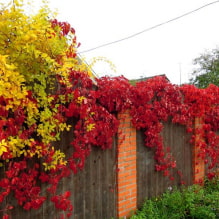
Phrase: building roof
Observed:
(134, 81)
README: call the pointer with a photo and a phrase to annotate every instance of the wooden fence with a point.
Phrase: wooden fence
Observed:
(151, 183)
(115, 182)
(93, 190)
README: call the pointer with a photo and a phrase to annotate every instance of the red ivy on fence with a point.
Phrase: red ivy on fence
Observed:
(93, 109)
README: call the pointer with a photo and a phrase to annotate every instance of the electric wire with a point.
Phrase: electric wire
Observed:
(150, 28)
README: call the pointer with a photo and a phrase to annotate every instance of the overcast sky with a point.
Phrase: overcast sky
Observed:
(168, 49)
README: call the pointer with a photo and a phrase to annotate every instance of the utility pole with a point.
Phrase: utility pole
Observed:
(180, 74)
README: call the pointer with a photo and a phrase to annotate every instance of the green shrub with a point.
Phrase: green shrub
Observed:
(193, 202)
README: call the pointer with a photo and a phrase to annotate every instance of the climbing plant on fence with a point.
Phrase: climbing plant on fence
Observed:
(43, 84)
(155, 101)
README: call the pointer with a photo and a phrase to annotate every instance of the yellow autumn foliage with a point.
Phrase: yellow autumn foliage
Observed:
(11, 83)
(32, 54)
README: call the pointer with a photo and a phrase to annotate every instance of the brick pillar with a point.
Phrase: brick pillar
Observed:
(126, 178)
(198, 163)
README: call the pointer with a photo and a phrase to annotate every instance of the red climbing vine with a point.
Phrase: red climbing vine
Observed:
(44, 85)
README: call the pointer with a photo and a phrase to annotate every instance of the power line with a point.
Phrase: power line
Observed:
(150, 28)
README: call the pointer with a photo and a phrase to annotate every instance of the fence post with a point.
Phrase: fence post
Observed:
(198, 162)
(126, 164)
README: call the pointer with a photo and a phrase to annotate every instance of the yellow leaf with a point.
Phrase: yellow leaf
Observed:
(3, 147)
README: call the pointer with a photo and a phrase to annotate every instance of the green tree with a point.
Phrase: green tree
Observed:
(207, 70)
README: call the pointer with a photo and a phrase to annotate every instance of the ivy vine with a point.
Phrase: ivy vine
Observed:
(43, 84)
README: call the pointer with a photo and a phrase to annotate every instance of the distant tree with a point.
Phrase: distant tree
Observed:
(207, 71)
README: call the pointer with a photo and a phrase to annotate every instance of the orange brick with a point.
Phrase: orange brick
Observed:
(129, 166)
(130, 186)
(125, 202)
(133, 172)
(123, 185)
(122, 192)
(122, 213)
(123, 174)
(134, 194)
(121, 209)
(132, 177)
(130, 158)
(131, 206)
(120, 199)
(134, 200)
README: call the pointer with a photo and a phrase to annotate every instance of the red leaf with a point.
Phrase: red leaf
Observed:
(5, 216)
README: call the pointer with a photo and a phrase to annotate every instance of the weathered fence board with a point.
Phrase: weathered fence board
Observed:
(151, 183)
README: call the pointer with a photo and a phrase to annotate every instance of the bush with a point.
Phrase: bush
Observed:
(190, 202)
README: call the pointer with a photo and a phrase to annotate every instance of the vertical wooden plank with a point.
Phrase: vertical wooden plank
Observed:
(104, 171)
(112, 180)
(91, 185)
(100, 185)
(95, 197)
(78, 195)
